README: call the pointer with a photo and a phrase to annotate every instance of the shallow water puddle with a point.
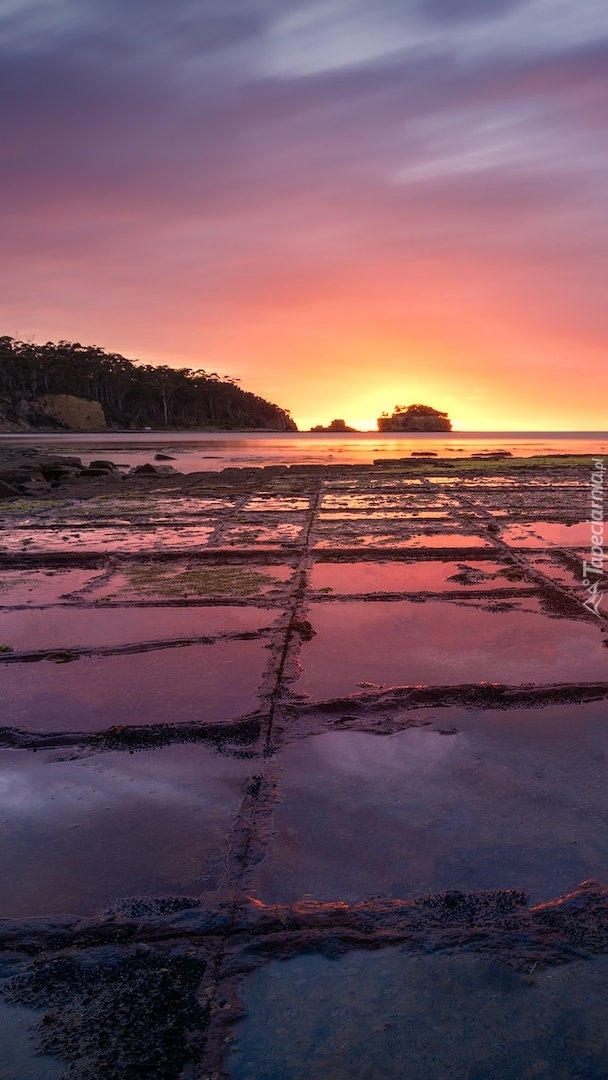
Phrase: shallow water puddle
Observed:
(113, 509)
(348, 535)
(19, 1059)
(35, 587)
(360, 503)
(283, 503)
(42, 541)
(378, 516)
(78, 835)
(91, 628)
(373, 1015)
(490, 481)
(283, 532)
(182, 506)
(422, 576)
(447, 539)
(443, 479)
(380, 504)
(335, 539)
(475, 800)
(405, 643)
(191, 684)
(555, 570)
(541, 533)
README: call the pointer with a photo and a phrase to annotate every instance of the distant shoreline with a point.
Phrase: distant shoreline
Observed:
(189, 433)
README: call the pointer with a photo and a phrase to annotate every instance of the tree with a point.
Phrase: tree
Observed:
(415, 418)
(130, 393)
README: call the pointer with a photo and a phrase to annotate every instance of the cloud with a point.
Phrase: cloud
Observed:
(453, 10)
(32, 24)
(265, 152)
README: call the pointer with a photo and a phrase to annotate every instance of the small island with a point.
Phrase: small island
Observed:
(414, 418)
(337, 426)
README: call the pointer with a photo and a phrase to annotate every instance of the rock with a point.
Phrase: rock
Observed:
(335, 426)
(304, 470)
(67, 411)
(423, 453)
(100, 468)
(251, 472)
(235, 473)
(145, 470)
(7, 491)
(36, 485)
(8, 426)
(152, 470)
(209, 476)
(493, 455)
(163, 457)
(415, 418)
(19, 475)
(108, 466)
(55, 473)
(56, 459)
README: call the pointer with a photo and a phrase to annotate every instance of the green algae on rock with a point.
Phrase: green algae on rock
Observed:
(160, 580)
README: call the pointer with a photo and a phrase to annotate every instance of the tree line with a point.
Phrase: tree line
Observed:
(132, 394)
(414, 418)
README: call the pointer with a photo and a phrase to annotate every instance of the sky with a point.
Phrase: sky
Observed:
(346, 204)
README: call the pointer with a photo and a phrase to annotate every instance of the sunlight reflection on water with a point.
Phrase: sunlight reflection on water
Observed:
(195, 451)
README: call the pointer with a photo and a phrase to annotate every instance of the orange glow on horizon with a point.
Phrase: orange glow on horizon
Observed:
(464, 337)
(344, 206)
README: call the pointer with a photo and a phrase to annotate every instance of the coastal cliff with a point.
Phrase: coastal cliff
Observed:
(73, 387)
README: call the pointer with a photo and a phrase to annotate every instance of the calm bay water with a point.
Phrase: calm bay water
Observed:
(195, 451)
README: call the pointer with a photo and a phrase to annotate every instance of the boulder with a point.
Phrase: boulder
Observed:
(152, 470)
(42, 460)
(146, 470)
(19, 475)
(55, 473)
(107, 466)
(73, 413)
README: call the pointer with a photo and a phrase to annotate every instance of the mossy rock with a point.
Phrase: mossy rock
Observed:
(234, 581)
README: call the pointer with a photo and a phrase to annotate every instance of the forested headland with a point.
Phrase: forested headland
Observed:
(132, 395)
(414, 418)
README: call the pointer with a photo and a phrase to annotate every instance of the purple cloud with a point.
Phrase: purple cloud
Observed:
(227, 143)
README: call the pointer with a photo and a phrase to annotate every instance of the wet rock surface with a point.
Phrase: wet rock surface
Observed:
(95, 1014)
(457, 1017)
(381, 702)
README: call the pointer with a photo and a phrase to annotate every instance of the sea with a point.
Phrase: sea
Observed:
(199, 451)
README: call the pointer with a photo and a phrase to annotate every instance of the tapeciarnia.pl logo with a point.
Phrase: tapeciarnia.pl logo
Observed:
(593, 571)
